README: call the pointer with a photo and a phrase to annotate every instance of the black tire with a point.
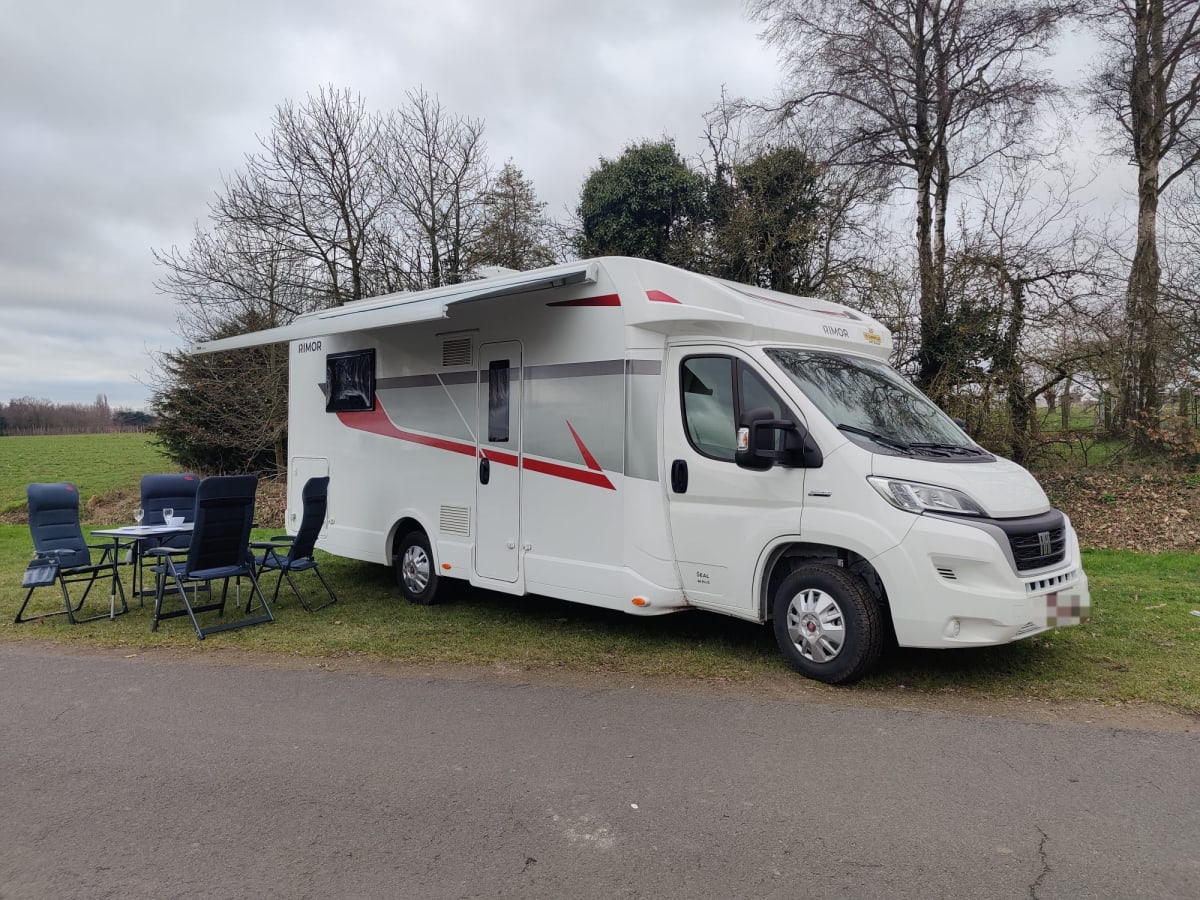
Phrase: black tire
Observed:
(415, 572)
(827, 624)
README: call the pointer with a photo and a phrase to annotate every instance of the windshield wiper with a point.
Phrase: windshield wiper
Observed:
(890, 443)
(960, 449)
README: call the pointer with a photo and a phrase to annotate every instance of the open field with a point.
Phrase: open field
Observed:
(1142, 645)
(98, 464)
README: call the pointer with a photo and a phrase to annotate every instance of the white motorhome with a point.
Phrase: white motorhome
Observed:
(634, 436)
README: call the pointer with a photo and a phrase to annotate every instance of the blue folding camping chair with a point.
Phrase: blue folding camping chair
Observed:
(300, 547)
(219, 550)
(174, 492)
(62, 556)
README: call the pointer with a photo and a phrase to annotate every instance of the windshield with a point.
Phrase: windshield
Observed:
(868, 400)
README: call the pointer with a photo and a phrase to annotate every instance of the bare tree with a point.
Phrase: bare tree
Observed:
(232, 277)
(929, 89)
(316, 184)
(1149, 82)
(338, 204)
(1025, 272)
(438, 173)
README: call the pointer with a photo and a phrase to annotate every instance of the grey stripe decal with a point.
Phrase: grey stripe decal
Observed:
(408, 381)
(643, 366)
(575, 370)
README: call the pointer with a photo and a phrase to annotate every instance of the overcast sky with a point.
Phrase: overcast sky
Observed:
(119, 118)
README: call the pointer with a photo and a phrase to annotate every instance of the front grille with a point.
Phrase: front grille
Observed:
(1038, 549)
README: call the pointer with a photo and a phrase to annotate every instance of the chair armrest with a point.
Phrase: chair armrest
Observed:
(165, 551)
(264, 545)
(58, 554)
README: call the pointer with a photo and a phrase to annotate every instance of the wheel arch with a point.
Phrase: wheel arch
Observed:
(784, 558)
(400, 528)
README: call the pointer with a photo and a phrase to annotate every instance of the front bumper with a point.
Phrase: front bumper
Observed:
(953, 585)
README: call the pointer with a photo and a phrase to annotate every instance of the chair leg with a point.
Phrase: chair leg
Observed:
(296, 590)
(278, 582)
(332, 596)
(18, 620)
(267, 616)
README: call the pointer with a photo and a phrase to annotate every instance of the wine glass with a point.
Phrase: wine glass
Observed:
(138, 515)
(168, 512)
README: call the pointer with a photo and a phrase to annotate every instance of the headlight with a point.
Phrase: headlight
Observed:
(915, 497)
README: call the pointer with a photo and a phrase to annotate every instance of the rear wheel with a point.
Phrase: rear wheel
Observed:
(415, 572)
(827, 624)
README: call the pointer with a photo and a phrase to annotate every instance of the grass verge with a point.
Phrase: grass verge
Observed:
(1142, 645)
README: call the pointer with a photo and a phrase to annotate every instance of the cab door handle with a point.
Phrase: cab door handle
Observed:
(679, 476)
(485, 470)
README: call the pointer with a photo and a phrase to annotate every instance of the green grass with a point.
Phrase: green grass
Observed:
(1141, 645)
(98, 464)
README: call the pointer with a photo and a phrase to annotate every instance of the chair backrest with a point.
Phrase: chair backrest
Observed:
(54, 523)
(224, 515)
(315, 498)
(175, 491)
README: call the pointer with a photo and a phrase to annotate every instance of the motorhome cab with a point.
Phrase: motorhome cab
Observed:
(630, 435)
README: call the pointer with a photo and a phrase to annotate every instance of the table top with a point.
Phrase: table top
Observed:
(132, 531)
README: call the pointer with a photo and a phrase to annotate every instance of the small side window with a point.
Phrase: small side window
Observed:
(706, 383)
(351, 381)
(498, 402)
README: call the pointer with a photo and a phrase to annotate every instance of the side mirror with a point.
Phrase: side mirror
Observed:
(759, 447)
(961, 423)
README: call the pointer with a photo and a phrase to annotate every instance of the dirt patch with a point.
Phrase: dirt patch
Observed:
(1115, 509)
(118, 506)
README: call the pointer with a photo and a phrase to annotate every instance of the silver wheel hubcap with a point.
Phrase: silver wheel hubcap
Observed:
(414, 569)
(816, 626)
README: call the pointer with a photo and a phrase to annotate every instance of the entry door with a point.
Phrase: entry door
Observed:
(722, 517)
(498, 462)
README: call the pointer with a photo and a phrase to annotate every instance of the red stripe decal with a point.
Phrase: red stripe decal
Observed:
(496, 456)
(660, 297)
(377, 422)
(605, 300)
(588, 459)
(596, 479)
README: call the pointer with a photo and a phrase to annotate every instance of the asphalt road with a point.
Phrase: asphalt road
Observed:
(160, 777)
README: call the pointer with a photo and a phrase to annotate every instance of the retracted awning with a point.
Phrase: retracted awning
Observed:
(403, 309)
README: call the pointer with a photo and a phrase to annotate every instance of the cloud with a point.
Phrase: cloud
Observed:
(122, 118)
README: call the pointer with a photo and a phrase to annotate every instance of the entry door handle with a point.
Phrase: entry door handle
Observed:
(679, 476)
(485, 470)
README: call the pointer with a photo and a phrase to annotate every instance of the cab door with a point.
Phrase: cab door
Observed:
(498, 462)
(722, 517)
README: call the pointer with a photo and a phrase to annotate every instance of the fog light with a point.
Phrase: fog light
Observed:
(953, 627)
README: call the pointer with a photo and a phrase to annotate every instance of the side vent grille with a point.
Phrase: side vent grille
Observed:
(948, 574)
(455, 520)
(456, 352)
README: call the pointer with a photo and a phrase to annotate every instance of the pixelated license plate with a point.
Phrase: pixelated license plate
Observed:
(1066, 608)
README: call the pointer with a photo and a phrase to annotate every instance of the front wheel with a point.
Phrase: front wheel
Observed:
(415, 573)
(827, 624)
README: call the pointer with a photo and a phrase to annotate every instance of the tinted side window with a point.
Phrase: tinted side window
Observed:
(756, 395)
(498, 402)
(351, 381)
